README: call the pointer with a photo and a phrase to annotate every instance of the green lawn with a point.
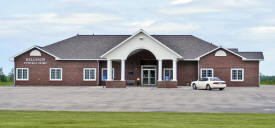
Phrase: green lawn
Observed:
(6, 83)
(268, 82)
(51, 119)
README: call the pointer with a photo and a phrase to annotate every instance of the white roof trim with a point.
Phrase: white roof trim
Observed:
(141, 30)
(80, 59)
(12, 58)
(253, 60)
(190, 59)
(243, 58)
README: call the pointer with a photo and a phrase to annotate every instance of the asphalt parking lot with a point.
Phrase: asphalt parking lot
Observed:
(139, 99)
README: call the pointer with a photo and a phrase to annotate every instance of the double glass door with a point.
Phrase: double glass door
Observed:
(148, 75)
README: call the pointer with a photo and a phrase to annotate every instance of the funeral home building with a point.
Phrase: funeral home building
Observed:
(141, 59)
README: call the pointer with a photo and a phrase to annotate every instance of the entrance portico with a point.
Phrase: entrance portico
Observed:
(140, 42)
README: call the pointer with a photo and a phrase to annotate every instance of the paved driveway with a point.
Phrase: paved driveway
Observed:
(246, 99)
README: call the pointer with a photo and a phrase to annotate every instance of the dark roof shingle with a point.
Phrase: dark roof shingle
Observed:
(93, 46)
(252, 55)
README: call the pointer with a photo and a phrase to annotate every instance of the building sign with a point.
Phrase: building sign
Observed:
(35, 61)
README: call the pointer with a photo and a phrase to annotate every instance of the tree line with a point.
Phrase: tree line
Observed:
(6, 78)
(267, 79)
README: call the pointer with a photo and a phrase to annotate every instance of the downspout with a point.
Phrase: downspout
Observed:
(259, 75)
(14, 71)
(198, 69)
(97, 73)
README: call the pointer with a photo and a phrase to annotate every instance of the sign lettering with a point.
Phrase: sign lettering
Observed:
(35, 61)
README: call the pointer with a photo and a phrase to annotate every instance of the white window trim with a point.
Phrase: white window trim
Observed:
(206, 72)
(89, 71)
(164, 69)
(231, 75)
(22, 74)
(107, 74)
(56, 79)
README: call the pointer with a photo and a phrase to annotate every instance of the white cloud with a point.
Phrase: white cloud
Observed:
(74, 1)
(178, 2)
(75, 18)
(269, 20)
(189, 10)
(211, 6)
(262, 30)
(173, 27)
(52, 22)
(259, 33)
(153, 26)
(239, 3)
(142, 24)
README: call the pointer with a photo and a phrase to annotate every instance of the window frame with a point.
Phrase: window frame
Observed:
(107, 73)
(164, 69)
(207, 72)
(22, 74)
(84, 79)
(61, 74)
(237, 79)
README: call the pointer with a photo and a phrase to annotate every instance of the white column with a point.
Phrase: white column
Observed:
(109, 70)
(122, 70)
(160, 70)
(174, 70)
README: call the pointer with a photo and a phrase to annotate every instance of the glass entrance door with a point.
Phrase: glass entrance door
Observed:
(148, 75)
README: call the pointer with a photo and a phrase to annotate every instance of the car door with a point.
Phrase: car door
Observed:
(203, 83)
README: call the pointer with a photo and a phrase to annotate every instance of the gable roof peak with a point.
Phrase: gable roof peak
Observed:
(147, 34)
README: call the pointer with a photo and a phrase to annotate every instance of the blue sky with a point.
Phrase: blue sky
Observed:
(246, 24)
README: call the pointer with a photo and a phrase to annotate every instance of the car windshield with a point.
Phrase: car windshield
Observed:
(215, 79)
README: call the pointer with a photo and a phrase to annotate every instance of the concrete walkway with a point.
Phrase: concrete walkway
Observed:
(144, 99)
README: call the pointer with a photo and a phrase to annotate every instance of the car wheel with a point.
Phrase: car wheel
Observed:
(208, 87)
(221, 88)
(194, 87)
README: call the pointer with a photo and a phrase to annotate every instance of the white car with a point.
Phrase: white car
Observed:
(209, 83)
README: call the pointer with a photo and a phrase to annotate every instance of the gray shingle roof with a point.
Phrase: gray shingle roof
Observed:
(188, 46)
(85, 46)
(93, 46)
(248, 55)
(252, 55)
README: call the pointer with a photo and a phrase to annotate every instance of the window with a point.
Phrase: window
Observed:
(168, 74)
(220, 53)
(89, 74)
(104, 74)
(207, 72)
(55, 73)
(35, 53)
(22, 74)
(237, 74)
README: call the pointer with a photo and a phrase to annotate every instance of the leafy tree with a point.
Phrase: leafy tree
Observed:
(267, 79)
(1, 71)
(10, 77)
(3, 78)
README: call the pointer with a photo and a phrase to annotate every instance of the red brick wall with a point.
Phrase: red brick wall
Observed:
(222, 68)
(73, 70)
(167, 84)
(39, 74)
(187, 72)
(115, 84)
